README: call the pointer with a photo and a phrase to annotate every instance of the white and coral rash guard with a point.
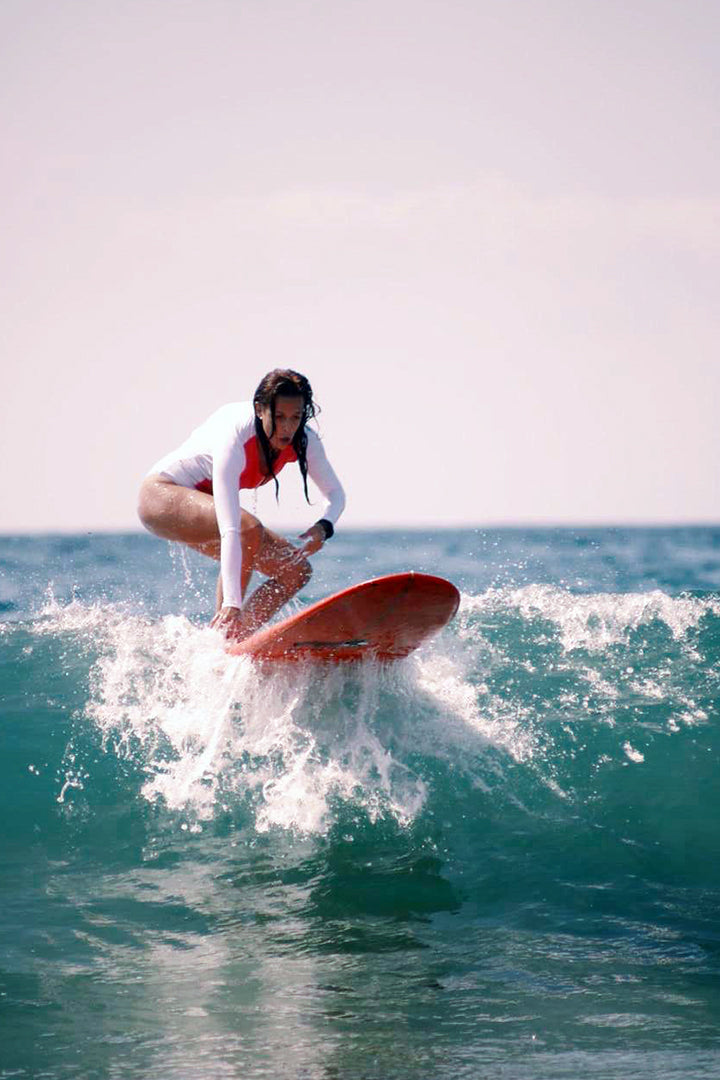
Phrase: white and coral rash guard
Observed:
(221, 457)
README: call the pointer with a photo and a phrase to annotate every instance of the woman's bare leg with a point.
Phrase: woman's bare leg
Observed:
(179, 513)
(188, 516)
(287, 573)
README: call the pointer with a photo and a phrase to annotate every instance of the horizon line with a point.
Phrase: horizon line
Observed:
(519, 524)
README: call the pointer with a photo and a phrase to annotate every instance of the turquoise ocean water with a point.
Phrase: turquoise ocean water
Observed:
(500, 858)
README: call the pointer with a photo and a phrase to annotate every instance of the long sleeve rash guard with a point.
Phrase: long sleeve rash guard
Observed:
(222, 457)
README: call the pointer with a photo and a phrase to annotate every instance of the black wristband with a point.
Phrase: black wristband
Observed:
(327, 527)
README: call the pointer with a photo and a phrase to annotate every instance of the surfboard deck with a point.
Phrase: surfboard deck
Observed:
(383, 620)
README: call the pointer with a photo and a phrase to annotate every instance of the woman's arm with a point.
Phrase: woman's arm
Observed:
(228, 463)
(324, 476)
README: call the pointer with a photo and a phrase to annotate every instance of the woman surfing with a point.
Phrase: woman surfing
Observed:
(191, 495)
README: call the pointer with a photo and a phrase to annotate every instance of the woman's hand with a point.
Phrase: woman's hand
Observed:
(315, 537)
(229, 621)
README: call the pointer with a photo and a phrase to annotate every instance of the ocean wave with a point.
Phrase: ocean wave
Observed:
(596, 621)
(521, 689)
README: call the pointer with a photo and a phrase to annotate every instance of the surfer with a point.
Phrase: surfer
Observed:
(191, 495)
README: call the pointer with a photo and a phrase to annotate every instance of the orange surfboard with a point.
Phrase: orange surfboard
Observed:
(383, 620)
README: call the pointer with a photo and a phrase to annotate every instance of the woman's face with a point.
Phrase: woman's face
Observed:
(288, 415)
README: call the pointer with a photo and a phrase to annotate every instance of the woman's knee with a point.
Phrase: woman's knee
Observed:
(295, 574)
(157, 509)
(305, 572)
(253, 533)
(278, 559)
(148, 509)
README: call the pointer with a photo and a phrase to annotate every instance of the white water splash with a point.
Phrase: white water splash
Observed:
(594, 622)
(470, 715)
(214, 733)
(208, 728)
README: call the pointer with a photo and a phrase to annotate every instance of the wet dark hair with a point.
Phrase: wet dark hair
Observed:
(283, 382)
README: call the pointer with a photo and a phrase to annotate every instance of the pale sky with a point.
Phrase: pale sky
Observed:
(488, 232)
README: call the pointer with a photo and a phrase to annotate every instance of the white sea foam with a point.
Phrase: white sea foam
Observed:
(594, 622)
(212, 732)
(208, 728)
(632, 754)
(594, 659)
(470, 715)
